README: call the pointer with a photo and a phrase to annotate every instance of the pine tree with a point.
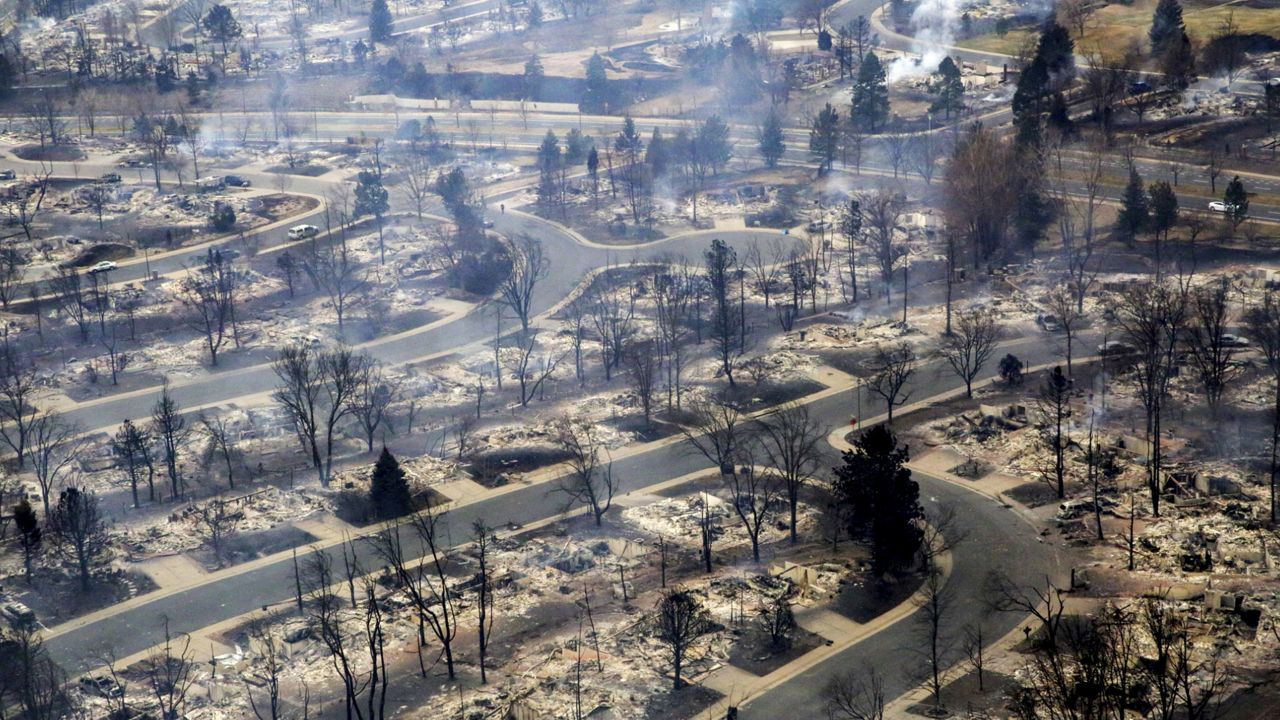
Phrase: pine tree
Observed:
(595, 96)
(772, 141)
(1164, 209)
(870, 95)
(1178, 63)
(1166, 26)
(824, 137)
(1057, 50)
(549, 163)
(389, 495)
(948, 89)
(533, 76)
(380, 22)
(1237, 201)
(371, 199)
(881, 500)
(1134, 210)
(29, 534)
(713, 142)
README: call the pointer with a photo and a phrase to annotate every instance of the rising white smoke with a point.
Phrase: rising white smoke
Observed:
(934, 25)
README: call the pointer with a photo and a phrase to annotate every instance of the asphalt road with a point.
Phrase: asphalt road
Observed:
(138, 628)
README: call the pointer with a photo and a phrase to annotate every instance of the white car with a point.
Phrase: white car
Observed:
(1222, 207)
(301, 232)
(212, 183)
(104, 266)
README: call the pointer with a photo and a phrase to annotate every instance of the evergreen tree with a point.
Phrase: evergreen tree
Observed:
(1164, 209)
(380, 22)
(628, 141)
(534, 18)
(389, 495)
(576, 146)
(533, 76)
(947, 88)
(772, 141)
(824, 137)
(870, 95)
(1166, 26)
(29, 534)
(1178, 63)
(221, 26)
(1032, 89)
(1237, 201)
(1057, 50)
(1134, 209)
(881, 501)
(595, 96)
(549, 163)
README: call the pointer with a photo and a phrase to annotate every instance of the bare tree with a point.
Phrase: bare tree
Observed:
(716, 430)
(332, 270)
(54, 448)
(971, 344)
(935, 603)
(612, 311)
(318, 390)
(1263, 322)
(891, 369)
(221, 436)
(209, 294)
(643, 367)
(1152, 320)
(26, 203)
(80, 531)
(855, 695)
(216, 522)
(529, 266)
(132, 445)
(1062, 304)
(1212, 349)
(417, 186)
(18, 388)
(373, 399)
(484, 592)
(590, 478)
(170, 427)
(68, 294)
(681, 621)
(753, 490)
(270, 671)
(427, 584)
(790, 440)
(1053, 405)
(13, 269)
(673, 290)
(531, 376)
(880, 214)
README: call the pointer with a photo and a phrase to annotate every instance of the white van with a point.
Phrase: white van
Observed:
(302, 232)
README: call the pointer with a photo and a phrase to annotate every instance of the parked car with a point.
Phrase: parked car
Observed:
(104, 266)
(1114, 348)
(1234, 341)
(111, 178)
(302, 232)
(235, 181)
(212, 182)
(8, 174)
(1048, 322)
(18, 614)
(73, 240)
(102, 686)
